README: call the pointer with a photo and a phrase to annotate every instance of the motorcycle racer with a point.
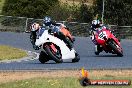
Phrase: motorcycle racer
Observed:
(52, 27)
(95, 28)
(52, 47)
(56, 29)
(36, 31)
(65, 30)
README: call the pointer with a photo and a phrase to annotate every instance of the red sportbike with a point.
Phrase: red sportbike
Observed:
(108, 42)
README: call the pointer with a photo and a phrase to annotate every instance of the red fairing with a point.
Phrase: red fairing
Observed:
(103, 35)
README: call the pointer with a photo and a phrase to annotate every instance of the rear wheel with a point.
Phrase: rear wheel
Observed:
(116, 48)
(96, 53)
(54, 55)
(43, 57)
(77, 58)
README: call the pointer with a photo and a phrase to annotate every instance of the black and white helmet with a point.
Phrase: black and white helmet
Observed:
(95, 24)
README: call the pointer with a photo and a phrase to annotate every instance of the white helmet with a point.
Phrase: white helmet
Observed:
(35, 26)
(96, 24)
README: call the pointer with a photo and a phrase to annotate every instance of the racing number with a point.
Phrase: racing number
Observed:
(102, 35)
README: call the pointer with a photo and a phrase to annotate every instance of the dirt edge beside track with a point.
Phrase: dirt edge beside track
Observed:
(9, 76)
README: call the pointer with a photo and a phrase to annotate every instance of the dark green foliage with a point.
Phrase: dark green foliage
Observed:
(28, 8)
(85, 13)
(97, 6)
(12, 21)
(80, 12)
(62, 11)
(116, 11)
(59, 12)
(40, 8)
(25, 8)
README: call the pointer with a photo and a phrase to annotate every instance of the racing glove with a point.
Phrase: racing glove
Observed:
(35, 47)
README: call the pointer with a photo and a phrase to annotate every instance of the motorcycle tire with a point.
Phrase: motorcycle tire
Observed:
(112, 44)
(96, 53)
(53, 56)
(77, 58)
(43, 57)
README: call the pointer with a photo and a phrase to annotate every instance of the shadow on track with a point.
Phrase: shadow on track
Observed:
(106, 56)
(52, 62)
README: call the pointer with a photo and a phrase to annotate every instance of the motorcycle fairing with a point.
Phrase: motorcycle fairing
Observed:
(65, 51)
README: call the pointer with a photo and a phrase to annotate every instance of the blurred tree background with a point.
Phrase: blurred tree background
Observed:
(28, 8)
(117, 12)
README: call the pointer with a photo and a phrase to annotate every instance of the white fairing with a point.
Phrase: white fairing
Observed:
(65, 51)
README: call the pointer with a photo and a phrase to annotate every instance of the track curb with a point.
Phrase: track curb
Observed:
(31, 56)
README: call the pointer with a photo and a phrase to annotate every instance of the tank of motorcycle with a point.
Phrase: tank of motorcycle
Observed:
(100, 35)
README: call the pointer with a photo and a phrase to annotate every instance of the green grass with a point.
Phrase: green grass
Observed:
(67, 82)
(8, 53)
(1, 5)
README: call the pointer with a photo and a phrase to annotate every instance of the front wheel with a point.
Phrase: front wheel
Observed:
(116, 48)
(54, 55)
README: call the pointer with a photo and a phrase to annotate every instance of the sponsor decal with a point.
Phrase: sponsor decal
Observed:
(86, 81)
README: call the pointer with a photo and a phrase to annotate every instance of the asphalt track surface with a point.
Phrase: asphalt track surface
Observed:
(84, 47)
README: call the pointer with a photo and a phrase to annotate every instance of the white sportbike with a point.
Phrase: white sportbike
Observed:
(54, 49)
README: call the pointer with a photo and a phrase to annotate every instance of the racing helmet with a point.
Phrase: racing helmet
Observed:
(95, 24)
(47, 21)
(35, 27)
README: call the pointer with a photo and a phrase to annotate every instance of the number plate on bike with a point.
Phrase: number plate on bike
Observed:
(102, 35)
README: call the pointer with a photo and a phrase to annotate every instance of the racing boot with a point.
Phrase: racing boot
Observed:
(33, 37)
(98, 49)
